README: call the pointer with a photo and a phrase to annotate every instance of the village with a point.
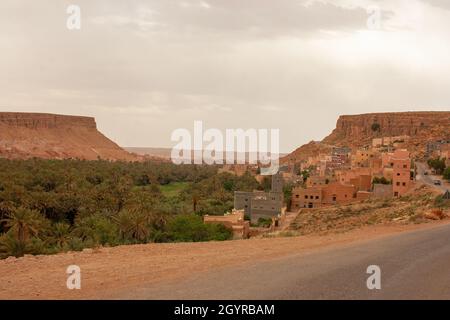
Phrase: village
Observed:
(383, 170)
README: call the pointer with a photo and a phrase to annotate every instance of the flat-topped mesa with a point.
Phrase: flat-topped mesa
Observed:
(359, 130)
(45, 120)
(52, 136)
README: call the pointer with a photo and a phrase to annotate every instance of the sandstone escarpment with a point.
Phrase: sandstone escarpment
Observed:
(51, 136)
(359, 130)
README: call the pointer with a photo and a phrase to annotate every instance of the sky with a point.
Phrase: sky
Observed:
(146, 68)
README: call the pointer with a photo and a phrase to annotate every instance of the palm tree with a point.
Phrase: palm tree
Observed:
(133, 224)
(61, 234)
(5, 208)
(24, 223)
(124, 224)
(9, 246)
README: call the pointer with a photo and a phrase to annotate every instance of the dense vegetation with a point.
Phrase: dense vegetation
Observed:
(382, 180)
(48, 206)
(447, 173)
(438, 164)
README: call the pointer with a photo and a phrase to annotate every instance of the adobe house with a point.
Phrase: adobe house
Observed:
(382, 191)
(362, 182)
(377, 164)
(307, 197)
(386, 161)
(313, 181)
(363, 195)
(330, 194)
(388, 173)
(362, 158)
(401, 175)
(234, 221)
(361, 178)
(341, 151)
(338, 193)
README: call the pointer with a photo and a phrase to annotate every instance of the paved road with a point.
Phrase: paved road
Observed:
(414, 265)
(429, 179)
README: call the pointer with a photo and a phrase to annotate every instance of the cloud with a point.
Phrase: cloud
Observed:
(443, 4)
(143, 68)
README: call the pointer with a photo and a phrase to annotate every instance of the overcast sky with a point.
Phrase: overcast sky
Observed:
(146, 68)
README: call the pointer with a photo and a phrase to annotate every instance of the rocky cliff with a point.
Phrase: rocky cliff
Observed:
(51, 136)
(358, 131)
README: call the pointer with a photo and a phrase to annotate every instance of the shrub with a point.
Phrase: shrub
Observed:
(264, 222)
(382, 180)
(376, 127)
(447, 173)
(97, 229)
(190, 228)
(437, 164)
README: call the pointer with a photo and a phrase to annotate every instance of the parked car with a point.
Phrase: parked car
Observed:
(437, 182)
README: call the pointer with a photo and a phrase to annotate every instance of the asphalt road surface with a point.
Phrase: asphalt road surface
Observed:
(414, 265)
(429, 179)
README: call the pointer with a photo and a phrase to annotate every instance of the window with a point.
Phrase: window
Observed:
(306, 197)
(398, 183)
(317, 197)
(404, 184)
(398, 174)
(334, 198)
(297, 196)
(405, 166)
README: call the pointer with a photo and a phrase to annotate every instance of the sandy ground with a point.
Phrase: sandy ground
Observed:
(111, 272)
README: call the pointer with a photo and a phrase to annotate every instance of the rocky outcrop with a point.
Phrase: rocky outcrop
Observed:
(51, 136)
(359, 130)
(310, 149)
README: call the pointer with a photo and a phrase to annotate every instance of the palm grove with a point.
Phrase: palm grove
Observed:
(49, 206)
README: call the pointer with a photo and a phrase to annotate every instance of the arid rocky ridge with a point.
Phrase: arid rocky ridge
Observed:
(51, 136)
(358, 131)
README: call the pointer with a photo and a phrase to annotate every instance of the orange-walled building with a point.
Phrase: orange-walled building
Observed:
(361, 178)
(338, 193)
(307, 198)
(401, 174)
(330, 194)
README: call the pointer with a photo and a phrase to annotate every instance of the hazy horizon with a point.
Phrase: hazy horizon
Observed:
(146, 68)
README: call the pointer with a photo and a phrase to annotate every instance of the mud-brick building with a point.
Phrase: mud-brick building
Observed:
(402, 179)
(234, 221)
(338, 193)
(318, 196)
(307, 197)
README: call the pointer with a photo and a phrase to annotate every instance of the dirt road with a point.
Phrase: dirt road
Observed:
(270, 268)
